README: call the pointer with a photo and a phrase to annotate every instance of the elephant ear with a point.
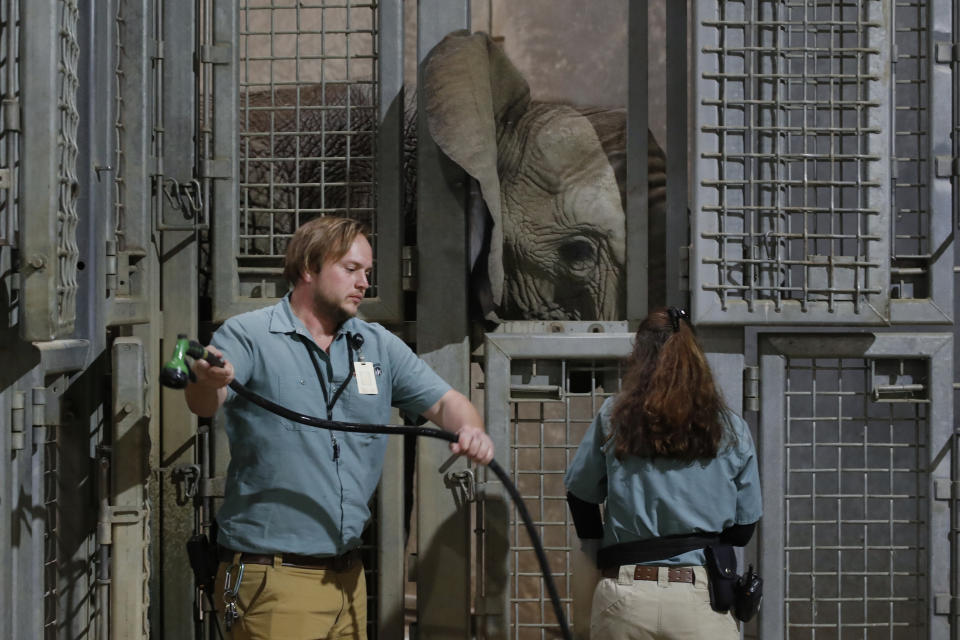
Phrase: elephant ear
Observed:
(470, 90)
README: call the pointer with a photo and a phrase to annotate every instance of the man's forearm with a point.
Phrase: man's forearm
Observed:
(454, 411)
(204, 401)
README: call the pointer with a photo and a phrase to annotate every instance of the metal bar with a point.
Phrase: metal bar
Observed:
(441, 198)
(677, 216)
(388, 304)
(40, 171)
(637, 214)
(178, 297)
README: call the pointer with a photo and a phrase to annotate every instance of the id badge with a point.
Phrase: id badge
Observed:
(366, 378)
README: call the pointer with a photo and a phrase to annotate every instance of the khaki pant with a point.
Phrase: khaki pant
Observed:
(290, 603)
(628, 609)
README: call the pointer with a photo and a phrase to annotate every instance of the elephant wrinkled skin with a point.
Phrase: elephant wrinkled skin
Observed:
(552, 178)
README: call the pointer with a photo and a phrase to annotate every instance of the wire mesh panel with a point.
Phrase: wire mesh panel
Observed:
(792, 161)
(9, 114)
(50, 187)
(52, 619)
(541, 394)
(851, 450)
(309, 117)
(544, 436)
(856, 502)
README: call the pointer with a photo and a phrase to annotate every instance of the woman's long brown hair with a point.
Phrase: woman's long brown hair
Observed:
(668, 405)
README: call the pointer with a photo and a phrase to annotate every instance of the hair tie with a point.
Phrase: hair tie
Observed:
(676, 314)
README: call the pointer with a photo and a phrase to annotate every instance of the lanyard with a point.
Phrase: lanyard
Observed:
(323, 387)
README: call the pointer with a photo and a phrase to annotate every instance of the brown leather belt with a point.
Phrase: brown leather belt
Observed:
(651, 572)
(336, 563)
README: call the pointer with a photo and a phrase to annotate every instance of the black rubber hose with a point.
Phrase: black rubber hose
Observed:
(359, 427)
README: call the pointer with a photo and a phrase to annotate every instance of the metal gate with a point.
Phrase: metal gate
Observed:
(856, 457)
(818, 167)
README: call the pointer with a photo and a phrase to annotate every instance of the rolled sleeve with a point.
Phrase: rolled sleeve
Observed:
(749, 500)
(416, 387)
(233, 340)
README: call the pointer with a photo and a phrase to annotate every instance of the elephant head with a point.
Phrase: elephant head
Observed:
(555, 239)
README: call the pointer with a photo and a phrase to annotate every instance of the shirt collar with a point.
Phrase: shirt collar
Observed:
(284, 320)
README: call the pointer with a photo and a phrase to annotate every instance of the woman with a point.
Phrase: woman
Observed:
(666, 457)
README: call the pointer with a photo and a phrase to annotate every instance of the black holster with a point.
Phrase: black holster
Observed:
(204, 558)
(728, 591)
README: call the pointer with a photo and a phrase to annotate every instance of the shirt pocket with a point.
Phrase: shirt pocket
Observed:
(300, 395)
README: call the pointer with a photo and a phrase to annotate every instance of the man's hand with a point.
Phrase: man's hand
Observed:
(209, 392)
(473, 443)
(454, 413)
(210, 376)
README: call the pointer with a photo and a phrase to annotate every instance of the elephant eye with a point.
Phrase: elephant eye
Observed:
(577, 253)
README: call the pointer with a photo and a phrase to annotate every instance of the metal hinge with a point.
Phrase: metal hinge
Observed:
(39, 397)
(11, 114)
(213, 487)
(947, 52)
(947, 166)
(944, 604)
(408, 268)
(111, 265)
(16, 420)
(684, 275)
(751, 388)
(944, 489)
(216, 54)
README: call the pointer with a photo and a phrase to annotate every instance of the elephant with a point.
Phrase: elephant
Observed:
(548, 239)
(553, 182)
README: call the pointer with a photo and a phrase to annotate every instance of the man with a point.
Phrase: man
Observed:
(296, 497)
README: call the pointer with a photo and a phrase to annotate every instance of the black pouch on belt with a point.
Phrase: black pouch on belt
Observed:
(722, 570)
(204, 560)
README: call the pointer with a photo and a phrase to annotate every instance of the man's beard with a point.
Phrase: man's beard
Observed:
(323, 307)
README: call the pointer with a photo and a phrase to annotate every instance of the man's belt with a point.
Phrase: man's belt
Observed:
(336, 563)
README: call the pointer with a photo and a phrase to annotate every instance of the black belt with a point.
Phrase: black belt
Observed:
(336, 563)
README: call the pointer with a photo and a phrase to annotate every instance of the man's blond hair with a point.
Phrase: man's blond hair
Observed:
(318, 241)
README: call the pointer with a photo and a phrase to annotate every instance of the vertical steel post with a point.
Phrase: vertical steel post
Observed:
(443, 556)
(676, 224)
(178, 295)
(637, 213)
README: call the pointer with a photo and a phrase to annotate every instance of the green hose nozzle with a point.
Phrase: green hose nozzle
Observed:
(175, 372)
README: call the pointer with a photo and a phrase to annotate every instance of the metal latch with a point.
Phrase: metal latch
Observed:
(186, 477)
(117, 515)
(464, 486)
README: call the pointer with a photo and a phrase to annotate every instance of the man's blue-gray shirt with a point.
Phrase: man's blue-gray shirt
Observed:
(292, 488)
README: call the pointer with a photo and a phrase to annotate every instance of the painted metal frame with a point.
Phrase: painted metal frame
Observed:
(937, 351)
(493, 597)
(226, 290)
